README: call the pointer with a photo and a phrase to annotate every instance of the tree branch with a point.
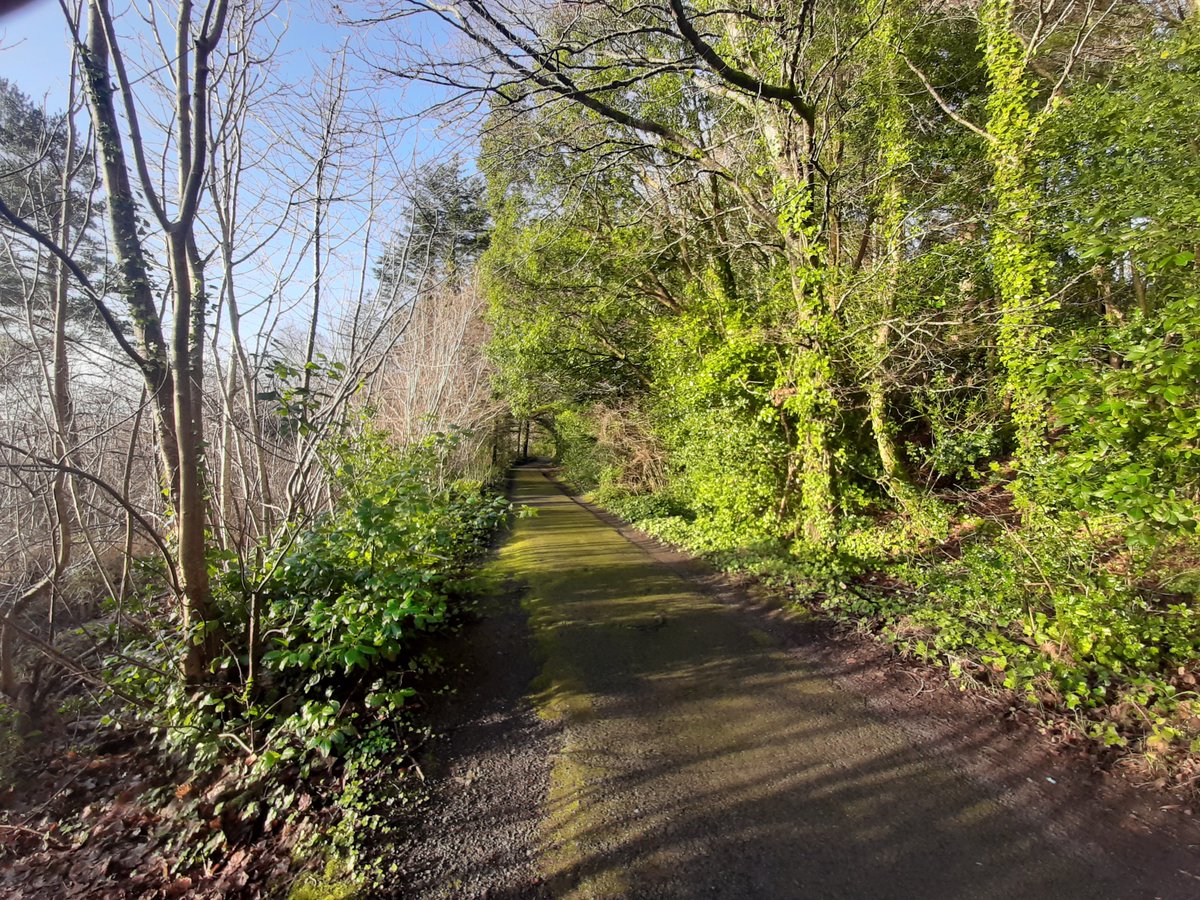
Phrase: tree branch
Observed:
(736, 77)
(61, 255)
(965, 123)
(41, 462)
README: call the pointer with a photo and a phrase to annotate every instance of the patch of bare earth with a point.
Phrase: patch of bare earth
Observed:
(487, 772)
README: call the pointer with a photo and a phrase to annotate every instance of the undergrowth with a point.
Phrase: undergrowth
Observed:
(310, 737)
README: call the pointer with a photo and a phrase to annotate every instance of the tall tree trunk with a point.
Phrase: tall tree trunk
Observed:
(191, 519)
(1019, 261)
(809, 400)
(811, 403)
(174, 375)
(894, 157)
(314, 319)
(127, 246)
(58, 384)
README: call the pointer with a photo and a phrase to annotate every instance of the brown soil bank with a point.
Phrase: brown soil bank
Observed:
(699, 758)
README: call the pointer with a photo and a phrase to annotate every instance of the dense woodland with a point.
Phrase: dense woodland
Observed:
(893, 304)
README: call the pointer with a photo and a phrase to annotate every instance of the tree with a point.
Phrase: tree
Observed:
(173, 370)
(786, 97)
(447, 228)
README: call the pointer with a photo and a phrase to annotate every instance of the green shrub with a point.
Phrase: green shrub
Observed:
(582, 458)
(1130, 444)
(345, 606)
(359, 587)
(636, 507)
(1029, 609)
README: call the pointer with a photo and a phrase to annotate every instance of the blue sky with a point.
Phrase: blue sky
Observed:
(35, 56)
(34, 53)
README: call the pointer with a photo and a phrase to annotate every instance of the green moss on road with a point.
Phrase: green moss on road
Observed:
(700, 759)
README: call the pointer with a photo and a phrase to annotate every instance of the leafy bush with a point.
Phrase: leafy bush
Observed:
(721, 420)
(344, 607)
(963, 426)
(356, 589)
(1124, 386)
(1031, 610)
(580, 454)
(636, 507)
(1131, 432)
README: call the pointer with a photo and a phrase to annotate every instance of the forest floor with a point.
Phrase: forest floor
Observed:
(636, 725)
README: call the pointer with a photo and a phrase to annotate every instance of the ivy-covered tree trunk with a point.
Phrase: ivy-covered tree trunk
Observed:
(895, 156)
(1019, 261)
(813, 408)
(806, 381)
(173, 371)
(121, 208)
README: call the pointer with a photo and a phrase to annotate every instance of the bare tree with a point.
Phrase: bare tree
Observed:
(173, 368)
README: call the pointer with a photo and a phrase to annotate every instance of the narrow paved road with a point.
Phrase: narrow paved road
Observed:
(701, 760)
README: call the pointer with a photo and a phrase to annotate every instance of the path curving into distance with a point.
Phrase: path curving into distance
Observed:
(698, 759)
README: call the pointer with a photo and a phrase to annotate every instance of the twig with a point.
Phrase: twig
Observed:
(37, 810)
(965, 123)
(919, 680)
(47, 839)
